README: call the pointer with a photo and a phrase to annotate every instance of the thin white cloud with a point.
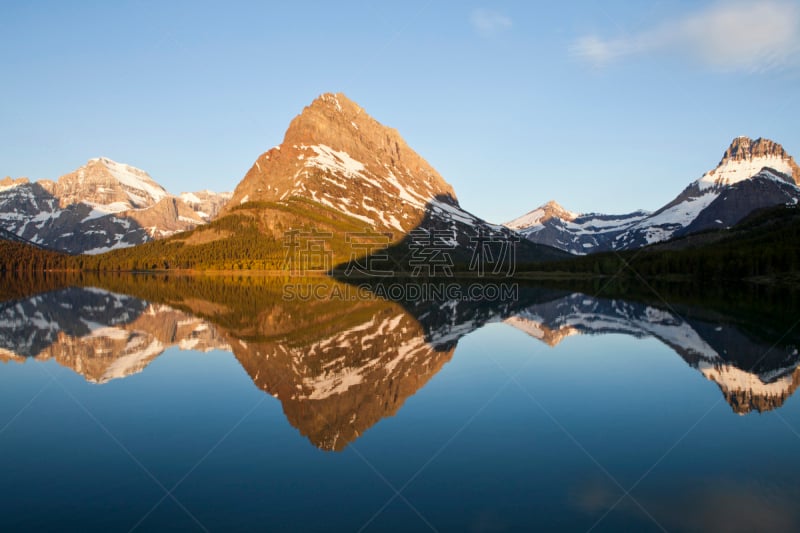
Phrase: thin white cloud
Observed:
(487, 22)
(734, 36)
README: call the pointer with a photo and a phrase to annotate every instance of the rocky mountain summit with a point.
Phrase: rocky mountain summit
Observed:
(334, 153)
(745, 158)
(346, 163)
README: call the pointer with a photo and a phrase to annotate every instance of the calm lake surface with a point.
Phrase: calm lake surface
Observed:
(147, 403)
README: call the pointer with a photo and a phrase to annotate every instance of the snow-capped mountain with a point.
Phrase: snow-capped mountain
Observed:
(752, 375)
(750, 176)
(542, 214)
(101, 206)
(335, 155)
(110, 186)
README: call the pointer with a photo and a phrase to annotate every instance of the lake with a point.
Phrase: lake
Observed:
(140, 403)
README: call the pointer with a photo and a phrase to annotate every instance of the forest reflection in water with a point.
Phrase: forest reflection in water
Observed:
(340, 359)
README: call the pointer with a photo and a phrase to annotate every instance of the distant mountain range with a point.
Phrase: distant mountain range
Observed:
(102, 206)
(751, 175)
(339, 172)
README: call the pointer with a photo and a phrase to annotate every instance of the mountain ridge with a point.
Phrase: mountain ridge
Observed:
(752, 174)
(353, 182)
(100, 206)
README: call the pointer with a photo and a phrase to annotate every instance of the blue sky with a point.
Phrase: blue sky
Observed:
(602, 106)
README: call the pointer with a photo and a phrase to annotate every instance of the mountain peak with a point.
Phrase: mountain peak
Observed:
(552, 204)
(540, 215)
(745, 158)
(743, 148)
(336, 154)
(9, 182)
(107, 182)
(331, 119)
(336, 101)
(554, 209)
(102, 160)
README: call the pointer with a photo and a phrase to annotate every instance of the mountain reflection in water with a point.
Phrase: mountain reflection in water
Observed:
(338, 367)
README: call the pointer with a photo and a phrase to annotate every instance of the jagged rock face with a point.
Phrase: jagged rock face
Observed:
(335, 121)
(9, 182)
(206, 204)
(107, 184)
(743, 148)
(751, 175)
(170, 215)
(101, 206)
(758, 154)
(336, 154)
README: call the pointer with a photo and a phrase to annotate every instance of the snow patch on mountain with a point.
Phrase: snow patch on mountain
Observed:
(337, 162)
(189, 198)
(734, 171)
(144, 189)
